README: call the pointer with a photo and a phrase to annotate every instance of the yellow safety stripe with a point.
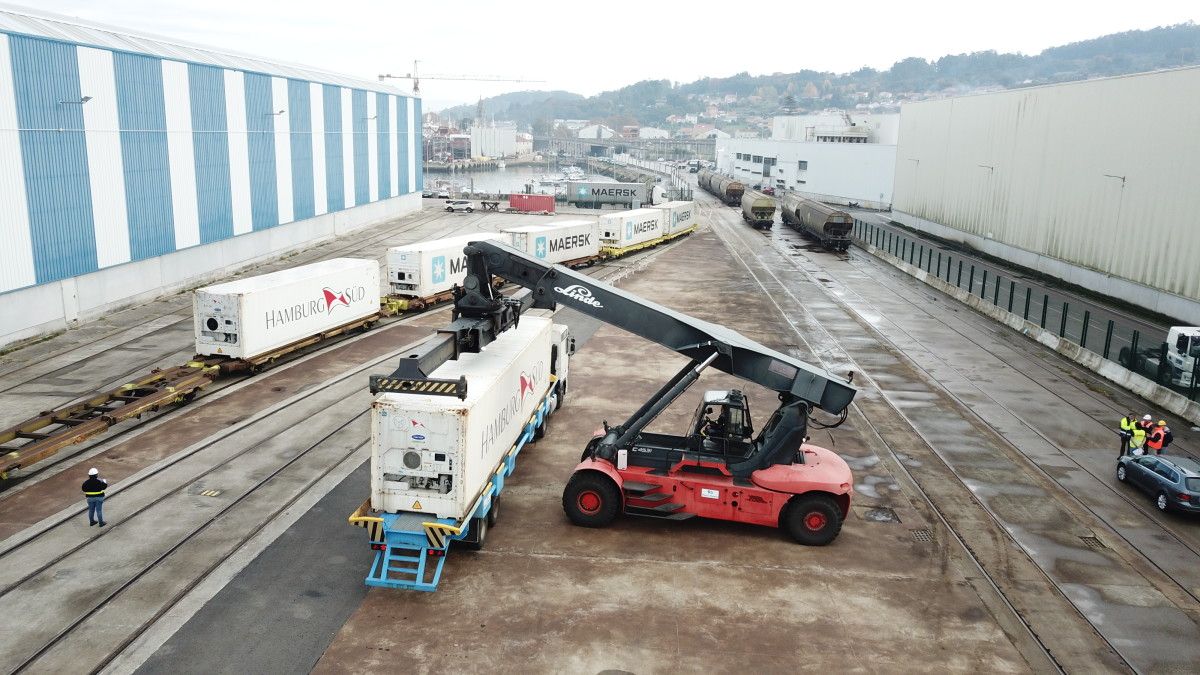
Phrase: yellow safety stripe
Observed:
(435, 533)
(94, 494)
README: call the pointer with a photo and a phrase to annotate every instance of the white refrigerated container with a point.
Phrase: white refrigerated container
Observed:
(677, 216)
(428, 268)
(556, 242)
(630, 228)
(250, 317)
(436, 454)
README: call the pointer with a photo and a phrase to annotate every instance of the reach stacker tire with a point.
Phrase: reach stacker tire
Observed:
(591, 499)
(813, 519)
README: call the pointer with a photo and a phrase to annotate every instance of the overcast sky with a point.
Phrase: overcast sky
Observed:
(589, 47)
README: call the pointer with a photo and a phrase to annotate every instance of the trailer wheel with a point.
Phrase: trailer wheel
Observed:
(494, 512)
(479, 526)
(813, 519)
(591, 499)
(539, 432)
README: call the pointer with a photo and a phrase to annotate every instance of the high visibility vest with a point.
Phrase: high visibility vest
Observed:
(1128, 424)
(1138, 438)
(1156, 439)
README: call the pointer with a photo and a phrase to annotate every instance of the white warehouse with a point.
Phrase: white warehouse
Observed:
(1070, 180)
(492, 140)
(832, 172)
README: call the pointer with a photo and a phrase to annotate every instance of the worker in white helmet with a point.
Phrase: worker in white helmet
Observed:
(93, 491)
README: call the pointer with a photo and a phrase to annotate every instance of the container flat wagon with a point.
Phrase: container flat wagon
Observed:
(723, 187)
(442, 448)
(424, 274)
(573, 243)
(251, 318)
(758, 209)
(819, 221)
(679, 217)
(628, 231)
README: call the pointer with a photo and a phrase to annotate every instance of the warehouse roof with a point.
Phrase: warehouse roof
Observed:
(24, 21)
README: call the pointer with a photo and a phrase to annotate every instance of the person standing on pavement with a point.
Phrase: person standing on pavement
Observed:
(1155, 441)
(93, 491)
(1147, 424)
(1128, 424)
(1168, 437)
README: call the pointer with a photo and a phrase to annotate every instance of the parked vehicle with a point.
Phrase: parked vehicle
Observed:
(453, 205)
(1170, 363)
(1173, 482)
(824, 223)
(443, 194)
(758, 209)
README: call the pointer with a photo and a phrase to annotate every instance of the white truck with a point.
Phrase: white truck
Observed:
(1182, 349)
(427, 270)
(248, 318)
(621, 231)
(573, 243)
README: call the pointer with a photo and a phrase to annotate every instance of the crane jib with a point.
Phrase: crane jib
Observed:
(738, 355)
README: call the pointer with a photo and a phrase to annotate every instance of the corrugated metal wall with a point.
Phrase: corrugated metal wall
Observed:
(168, 154)
(1100, 174)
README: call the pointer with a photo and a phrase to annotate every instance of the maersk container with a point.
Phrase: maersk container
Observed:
(560, 242)
(436, 454)
(606, 193)
(531, 203)
(677, 216)
(429, 268)
(248, 318)
(630, 228)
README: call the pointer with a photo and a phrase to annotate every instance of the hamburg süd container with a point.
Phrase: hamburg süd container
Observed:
(558, 242)
(436, 454)
(677, 216)
(630, 228)
(428, 268)
(250, 317)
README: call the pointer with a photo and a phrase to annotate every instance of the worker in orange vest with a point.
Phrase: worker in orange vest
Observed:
(1147, 424)
(1155, 441)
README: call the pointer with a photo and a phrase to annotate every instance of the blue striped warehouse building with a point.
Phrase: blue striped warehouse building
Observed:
(132, 165)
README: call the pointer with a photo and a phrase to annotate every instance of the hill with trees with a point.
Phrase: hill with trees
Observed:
(651, 101)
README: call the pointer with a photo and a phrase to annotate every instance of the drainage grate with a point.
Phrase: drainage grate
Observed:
(210, 493)
(922, 534)
(1094, 543)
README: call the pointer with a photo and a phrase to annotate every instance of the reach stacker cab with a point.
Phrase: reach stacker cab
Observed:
(681, 477)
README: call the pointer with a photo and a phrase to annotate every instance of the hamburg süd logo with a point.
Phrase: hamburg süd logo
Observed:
(334, 298)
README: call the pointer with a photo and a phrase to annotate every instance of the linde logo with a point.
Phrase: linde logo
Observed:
(567, 243)
(330, 300)
(580, 294)
(528, 382)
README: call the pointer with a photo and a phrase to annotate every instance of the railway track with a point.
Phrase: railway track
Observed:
(934, 485)
(29, 564)
(1166, 525)
(51, 431)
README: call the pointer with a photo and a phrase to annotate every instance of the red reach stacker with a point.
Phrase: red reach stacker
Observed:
(721, 468)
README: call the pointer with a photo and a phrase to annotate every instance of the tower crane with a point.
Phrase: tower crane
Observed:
(416, 78)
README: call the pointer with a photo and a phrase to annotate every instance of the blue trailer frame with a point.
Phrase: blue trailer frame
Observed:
(410, 549)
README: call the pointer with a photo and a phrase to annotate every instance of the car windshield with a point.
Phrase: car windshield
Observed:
(1192, 484)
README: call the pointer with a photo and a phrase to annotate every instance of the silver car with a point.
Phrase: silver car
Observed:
(1173, 481)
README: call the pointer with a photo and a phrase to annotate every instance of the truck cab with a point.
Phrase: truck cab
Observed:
(1183, 348)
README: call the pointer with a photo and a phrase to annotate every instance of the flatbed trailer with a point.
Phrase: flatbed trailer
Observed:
(411, 548)
(617, 252)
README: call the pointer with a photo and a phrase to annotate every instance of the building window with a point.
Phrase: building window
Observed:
(803, 165)
(769, 161)
(757, 159)
(801, 182)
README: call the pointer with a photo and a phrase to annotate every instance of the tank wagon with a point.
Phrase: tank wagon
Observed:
(725, 188)
(758, 209)
(820, 221)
